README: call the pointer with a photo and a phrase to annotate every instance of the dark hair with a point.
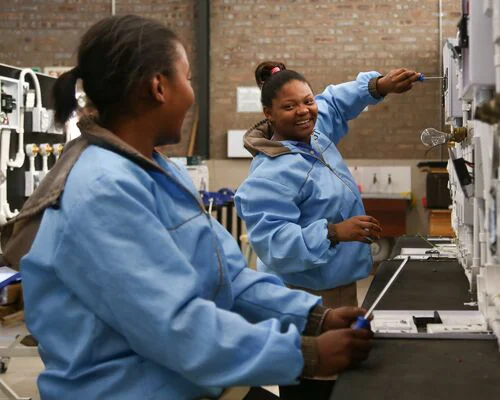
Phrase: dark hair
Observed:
(115, 56)
(271, 83)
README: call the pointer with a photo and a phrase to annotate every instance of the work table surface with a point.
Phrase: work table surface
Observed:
(423, 369)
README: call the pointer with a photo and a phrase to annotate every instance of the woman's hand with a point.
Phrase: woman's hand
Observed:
(396, 81)
(342, 317)
(341, 348)
(361, 228)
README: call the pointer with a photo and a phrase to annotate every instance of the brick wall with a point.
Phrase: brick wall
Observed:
(47, 32)
(328, 41)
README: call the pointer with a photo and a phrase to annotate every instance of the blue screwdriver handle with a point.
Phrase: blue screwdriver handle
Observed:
(362, 323)
(421, 77)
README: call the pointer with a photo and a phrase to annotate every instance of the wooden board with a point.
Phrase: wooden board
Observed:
(440, 223)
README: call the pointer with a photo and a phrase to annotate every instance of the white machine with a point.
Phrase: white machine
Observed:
(471, 89)
(29, 146)
(30, 142)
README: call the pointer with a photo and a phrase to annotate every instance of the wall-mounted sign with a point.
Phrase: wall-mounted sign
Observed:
(248, 99)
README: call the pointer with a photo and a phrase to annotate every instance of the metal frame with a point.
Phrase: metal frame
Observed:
(202, 11)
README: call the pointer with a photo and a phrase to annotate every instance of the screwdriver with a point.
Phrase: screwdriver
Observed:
(363, 322)
(422, 77)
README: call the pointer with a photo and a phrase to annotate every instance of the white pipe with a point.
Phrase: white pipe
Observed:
(440, 63)
(496, 301)
(9, 214)
(31, 151)
(4, 155)
(497, 67)
(482, 233)
(465, 113)
(476, 251)
(18, 161)
(29, 71)
(496, 39)
(113, 7)
(45, 151)
(476, 256)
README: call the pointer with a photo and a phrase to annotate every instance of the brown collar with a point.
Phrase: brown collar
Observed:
(258, 140)
(96, 134)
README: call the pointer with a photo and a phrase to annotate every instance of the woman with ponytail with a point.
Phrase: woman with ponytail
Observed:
(132, 290)
(301, 206)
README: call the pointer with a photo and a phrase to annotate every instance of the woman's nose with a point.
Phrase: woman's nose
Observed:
(302, 110)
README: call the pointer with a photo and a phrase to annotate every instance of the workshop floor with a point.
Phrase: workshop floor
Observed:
(22, 371)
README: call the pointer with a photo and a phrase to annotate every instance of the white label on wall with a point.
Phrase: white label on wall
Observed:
(235, 147)
(248, 99)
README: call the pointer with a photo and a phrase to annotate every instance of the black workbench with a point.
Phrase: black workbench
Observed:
(422, 285)
(423, 369)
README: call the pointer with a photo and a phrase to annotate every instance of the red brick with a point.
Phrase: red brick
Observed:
(329, 42)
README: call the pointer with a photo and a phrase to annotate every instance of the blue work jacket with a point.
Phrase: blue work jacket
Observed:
(134, 292)
(293, 191)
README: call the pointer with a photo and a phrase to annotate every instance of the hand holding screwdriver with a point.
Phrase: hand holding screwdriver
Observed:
(396, 81)
(342, 348)
(342, 317)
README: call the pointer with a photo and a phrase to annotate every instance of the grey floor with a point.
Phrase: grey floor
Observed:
(22, 371)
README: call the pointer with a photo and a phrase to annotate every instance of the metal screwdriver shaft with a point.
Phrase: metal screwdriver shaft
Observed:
(362, 322)
(422, 77)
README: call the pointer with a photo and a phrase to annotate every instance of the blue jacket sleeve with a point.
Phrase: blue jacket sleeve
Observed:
(134, 277)
(259, 296)
(271, 214)
(340, 103)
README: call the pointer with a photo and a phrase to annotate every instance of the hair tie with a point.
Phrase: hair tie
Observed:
(275, 70)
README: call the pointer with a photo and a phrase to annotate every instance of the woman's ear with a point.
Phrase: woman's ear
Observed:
(158, 88)
(268, 114)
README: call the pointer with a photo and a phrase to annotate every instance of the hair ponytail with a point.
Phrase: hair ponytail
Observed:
(264, 71)
(63, 94)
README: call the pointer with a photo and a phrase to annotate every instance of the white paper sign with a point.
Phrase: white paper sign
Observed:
(235, 148)
(248, 99)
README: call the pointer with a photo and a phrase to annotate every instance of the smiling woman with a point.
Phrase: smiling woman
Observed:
(300, 203)
(303, 211)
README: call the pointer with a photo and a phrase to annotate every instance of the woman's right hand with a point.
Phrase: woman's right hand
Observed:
(361, 228)
(341, 348)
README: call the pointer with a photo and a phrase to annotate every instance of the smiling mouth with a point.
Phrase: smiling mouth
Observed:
(303, 123)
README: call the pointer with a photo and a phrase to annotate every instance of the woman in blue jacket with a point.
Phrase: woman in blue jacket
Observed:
(132, 290)
(302, 208)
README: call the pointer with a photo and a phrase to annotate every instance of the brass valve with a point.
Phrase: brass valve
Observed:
(458, 134)
(46, 149)
(32, 150)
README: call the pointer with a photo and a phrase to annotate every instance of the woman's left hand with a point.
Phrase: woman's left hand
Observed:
(396, 81)
(342, 317)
